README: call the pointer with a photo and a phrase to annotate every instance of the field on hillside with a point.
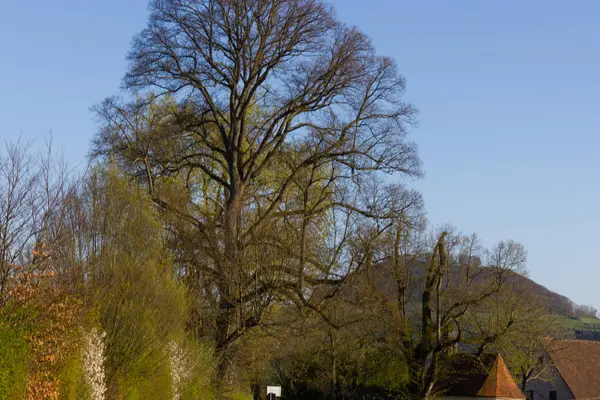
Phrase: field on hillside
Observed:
(581, 324)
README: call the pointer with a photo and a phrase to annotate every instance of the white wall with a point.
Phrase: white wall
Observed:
(472, 398)
(554, 382)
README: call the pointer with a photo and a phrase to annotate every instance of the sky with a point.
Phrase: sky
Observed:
(508, 93)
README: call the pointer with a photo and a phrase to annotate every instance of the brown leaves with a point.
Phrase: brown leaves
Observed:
(35, 288)
(43, 386)
(52, 343)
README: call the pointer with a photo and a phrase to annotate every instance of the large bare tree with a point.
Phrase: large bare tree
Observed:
(262, 127)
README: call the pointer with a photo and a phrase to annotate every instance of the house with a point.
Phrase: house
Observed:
(574, 373)
(484, 379)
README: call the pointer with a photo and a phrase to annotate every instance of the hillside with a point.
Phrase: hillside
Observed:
(583, 328)
(556, 304)
(587, 328)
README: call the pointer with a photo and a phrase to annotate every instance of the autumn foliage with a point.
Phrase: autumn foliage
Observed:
(52, 316)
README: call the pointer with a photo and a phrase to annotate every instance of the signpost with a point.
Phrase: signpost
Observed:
(273, 392)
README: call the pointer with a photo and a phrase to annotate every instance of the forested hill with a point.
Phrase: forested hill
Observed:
(382, 278)
(555, 303)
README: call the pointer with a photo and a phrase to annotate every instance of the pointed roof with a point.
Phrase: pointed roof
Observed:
(481, 377)
(500, 383)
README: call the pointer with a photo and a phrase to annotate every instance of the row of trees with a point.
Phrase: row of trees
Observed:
(585, 311)
(90, 306)
(98, 259)
(238, 226)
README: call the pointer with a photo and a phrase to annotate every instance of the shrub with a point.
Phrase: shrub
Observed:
(14, 362)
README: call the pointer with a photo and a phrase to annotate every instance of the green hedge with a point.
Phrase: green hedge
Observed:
(14, 362)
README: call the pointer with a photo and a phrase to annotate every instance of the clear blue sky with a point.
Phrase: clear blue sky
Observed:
(508, 93)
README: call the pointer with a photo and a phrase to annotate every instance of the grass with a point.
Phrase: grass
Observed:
(583, 324)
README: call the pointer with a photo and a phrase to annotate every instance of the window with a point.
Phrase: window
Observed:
(552, 395)
(530, 395)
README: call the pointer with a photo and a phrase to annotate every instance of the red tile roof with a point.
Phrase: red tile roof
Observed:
(484, 377)
(500, 383)
(578, 362)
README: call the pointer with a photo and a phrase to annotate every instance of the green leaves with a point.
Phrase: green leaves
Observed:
(14, 363)
(139, 304)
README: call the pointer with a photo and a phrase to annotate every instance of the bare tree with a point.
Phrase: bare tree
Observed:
(438, 284)
(267, 150)
(530, 340)
(33, 189)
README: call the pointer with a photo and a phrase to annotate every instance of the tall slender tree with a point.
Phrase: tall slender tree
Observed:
(440, 283)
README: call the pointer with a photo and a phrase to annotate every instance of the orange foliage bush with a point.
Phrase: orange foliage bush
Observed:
(57, 314)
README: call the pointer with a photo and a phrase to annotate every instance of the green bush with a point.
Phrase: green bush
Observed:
(145, 307)
(73, 385)
(202, 363)
(142, 384)
(14, 362)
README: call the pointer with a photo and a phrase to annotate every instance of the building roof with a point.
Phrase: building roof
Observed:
(484, 377)
(578, 362)
(500, 383)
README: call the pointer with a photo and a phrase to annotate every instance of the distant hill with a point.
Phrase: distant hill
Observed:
(555, 303)
(380, 276)
(558, 304)
(582, 327)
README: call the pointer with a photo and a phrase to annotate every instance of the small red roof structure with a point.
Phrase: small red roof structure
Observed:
(484, 378)
(500, 383)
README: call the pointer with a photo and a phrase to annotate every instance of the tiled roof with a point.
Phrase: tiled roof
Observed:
(485, 377)
(578, 362)
(500, 383)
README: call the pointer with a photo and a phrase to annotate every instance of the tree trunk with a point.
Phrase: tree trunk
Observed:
(425, 356)
(228, 314)
(257, 390)
(524, 380)
(335, 392)
(221, 373)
